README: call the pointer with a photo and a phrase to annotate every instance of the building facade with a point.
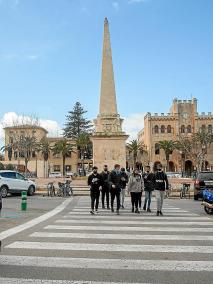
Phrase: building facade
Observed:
(182, 120)
(36, 164)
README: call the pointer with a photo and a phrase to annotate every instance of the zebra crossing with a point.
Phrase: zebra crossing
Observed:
(106, 248)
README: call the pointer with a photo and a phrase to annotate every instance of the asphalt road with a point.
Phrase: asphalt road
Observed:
(58, 241)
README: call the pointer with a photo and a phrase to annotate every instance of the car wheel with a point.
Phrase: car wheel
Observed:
(4, 191)
(31, 190)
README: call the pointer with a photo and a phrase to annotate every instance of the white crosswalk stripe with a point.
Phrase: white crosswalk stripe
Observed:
(134, 229)
(109, 242)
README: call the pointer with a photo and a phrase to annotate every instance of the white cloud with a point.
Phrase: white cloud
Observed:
(12, 118)
(133, 124)
(115, 6)
(137, 1)
(16, 56)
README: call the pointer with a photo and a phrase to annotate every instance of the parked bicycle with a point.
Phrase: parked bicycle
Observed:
(64, 189)
(51, 189)
(185, 190)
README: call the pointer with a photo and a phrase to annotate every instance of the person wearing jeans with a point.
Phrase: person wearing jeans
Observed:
(135, 187)
(148, 178)
(124, 181)
(161, 184)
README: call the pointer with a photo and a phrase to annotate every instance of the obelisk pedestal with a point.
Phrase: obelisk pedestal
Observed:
(109, 141)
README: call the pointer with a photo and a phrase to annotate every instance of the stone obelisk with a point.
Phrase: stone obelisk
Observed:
(109, 141)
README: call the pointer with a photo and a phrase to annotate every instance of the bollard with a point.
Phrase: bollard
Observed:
(23, 200)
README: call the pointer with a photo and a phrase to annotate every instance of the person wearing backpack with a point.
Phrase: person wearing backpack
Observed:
(95, 183)
(161, 184)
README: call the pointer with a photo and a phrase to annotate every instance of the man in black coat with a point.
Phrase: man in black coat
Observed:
(115, 183)
(161, 184)
(148, 178)
(105, 187)
(95, 182)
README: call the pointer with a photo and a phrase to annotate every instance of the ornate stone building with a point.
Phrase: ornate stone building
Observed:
(182, 120)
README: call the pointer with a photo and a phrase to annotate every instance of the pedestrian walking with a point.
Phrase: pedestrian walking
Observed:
(105, 187)
(95, 183)
(135, 187)
(124, 181)
(115, 187)
(148, 178)
(161, 184)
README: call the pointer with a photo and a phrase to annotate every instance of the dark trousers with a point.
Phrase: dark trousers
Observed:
(115, 193)
(135, 196)
(94, 194)
(139, 200)
(105, 192)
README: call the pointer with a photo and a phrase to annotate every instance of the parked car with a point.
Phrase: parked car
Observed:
(174, 175)
(203, 180)
(14, 182)
(55, 175)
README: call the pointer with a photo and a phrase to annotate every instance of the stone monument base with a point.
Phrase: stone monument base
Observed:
(109, 150)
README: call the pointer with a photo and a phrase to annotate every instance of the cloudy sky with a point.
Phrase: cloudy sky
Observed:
(50, 57)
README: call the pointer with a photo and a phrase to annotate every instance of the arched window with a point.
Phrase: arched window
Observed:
(157, 149)
(209, 128)
(182, 129)
(169, 129)
(162, 129)
(189, 129)
(156, 129)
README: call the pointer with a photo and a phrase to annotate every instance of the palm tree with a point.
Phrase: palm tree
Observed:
(65, 148)
(184, 145)
(168, 146)
(27, 145)
(45, 148)
(83, 143)
(135, 147)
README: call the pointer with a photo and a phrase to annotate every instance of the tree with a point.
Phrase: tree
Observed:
(27, 145)
(76, 123)
(65, 148)
(45, 148)
(83, 143)
(1, 167)
(200, 143)
(135, 147)
(168, 146)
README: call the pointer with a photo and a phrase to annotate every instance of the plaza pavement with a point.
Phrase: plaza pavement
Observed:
(71, 246)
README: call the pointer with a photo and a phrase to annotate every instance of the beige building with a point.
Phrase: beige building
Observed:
(182, 120)
(36, 162)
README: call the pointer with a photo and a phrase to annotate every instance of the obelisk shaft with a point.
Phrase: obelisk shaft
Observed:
(108, 104)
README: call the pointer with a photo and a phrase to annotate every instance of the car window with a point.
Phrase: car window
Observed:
(19, 176)
(206, 176)
(8, 175)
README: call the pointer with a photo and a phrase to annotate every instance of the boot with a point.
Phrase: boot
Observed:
(149, 210)
(161, 213)
(144, 208)
(137, 211)
(133, 209)
(117, 212)
(158, 213)
(112, 209)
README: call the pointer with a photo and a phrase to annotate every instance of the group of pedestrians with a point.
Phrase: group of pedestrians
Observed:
(113, 186)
